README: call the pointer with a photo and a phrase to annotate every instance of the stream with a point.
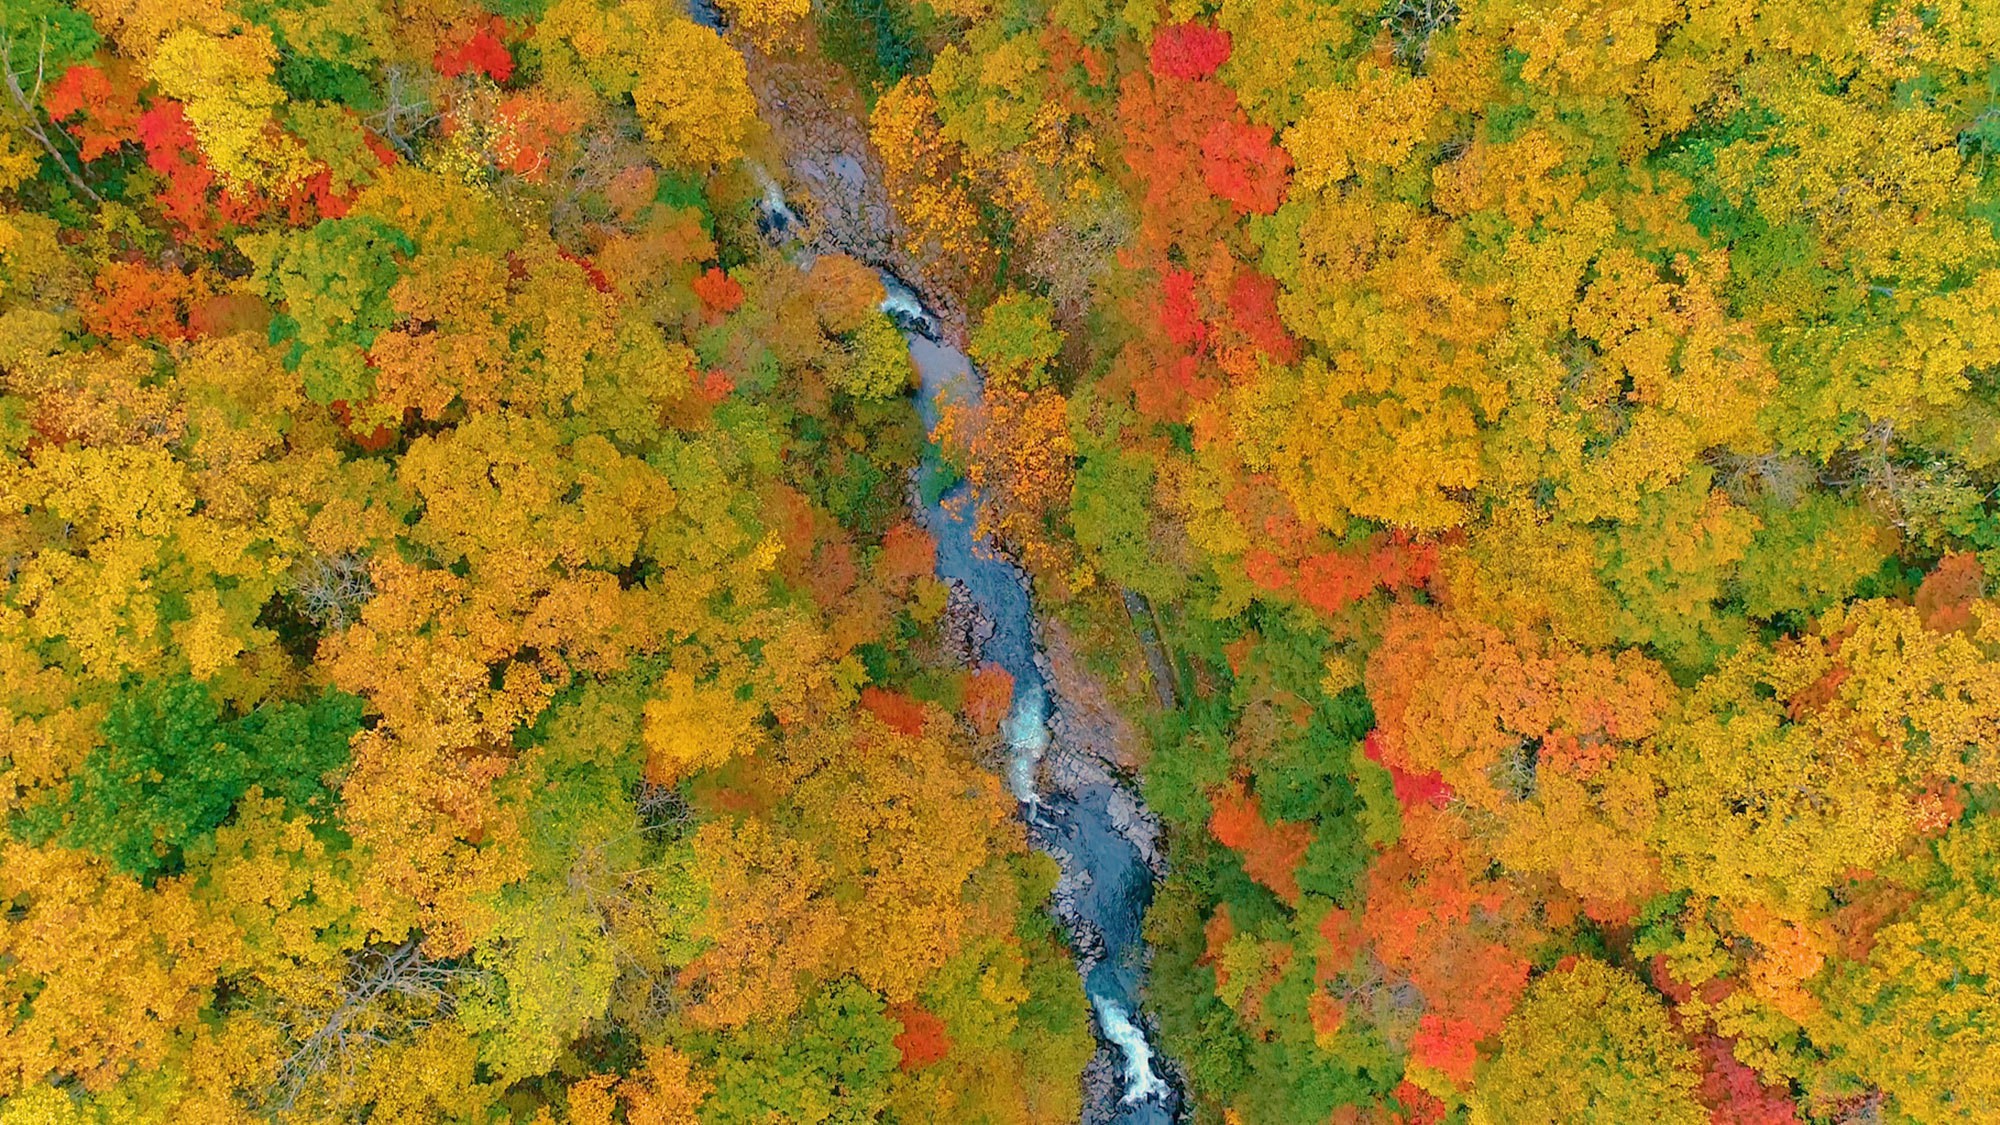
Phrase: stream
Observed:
(1083, 814)
(1088, 826)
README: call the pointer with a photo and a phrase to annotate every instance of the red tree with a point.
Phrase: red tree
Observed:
(1253, 304)
(106, 113)
(989, 692)
(1737, 1095)
(482, 51)
(923, 1040)
(1242, 162)
(896, 710)
(719, 293)
(1189, 51)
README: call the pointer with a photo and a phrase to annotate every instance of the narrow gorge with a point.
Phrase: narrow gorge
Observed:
(1079, 808)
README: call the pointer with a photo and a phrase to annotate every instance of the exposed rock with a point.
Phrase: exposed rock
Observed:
(1066, 771)
(1092, 724)
(964, 628)
(1100, 1086)
(1137, 823)
(835, 175)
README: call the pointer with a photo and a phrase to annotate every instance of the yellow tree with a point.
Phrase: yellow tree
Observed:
(1791, 765)
(1387, 424)
(903, 823)
(924, 173)
(770, 24)
(691, 89)
(1589, 1043)
(693, 726)
(1916, 1019)
(100, 973)
(225, 84)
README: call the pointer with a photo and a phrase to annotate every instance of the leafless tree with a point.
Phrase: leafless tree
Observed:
(580, 170)
(1778, 477)
(406, 110)
(333, 588)
(1515, 771)
(662, 808)
(1074, 253)
(1411, 23)
(26, 92)
(386, 994)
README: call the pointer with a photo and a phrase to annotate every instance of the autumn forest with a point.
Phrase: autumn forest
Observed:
(1492, 506)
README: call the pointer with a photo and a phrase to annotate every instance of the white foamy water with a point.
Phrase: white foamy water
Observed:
(1028, 738)
(1140, 1081)
(903, 305)
(778, 213)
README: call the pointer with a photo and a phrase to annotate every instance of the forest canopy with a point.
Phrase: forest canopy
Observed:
(1513, 486)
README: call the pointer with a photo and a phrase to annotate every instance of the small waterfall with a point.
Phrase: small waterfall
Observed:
(905, 307)
(1141, 1082)
(1028, 738)
(774, 215)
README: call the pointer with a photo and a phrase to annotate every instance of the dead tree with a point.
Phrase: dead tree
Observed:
(26, 94)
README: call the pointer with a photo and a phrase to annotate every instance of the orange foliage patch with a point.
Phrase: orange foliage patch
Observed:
(1340, 940)
(908, 553)
(375, 441)
(538, 123)
(989, 692)
(1944, 601)
(1271, 852)
(1819, 693)
(832, 573)
(1447, 1045)
(225, 313)
(1326, 1013)
(715, 385)
(1420, 1106)
(132, 301)
(924, 1040)
(897, 711)
(1216, 933)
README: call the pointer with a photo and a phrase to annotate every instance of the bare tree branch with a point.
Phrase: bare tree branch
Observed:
(29, 100)
(362, 1016)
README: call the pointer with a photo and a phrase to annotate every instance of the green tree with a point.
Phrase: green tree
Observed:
(39, 40)
(173, 766)
(333, 282)
(830, 1066)
(1017, 339)
(1810, 555)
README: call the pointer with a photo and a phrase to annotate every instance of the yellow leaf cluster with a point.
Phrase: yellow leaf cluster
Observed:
(225, 83)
